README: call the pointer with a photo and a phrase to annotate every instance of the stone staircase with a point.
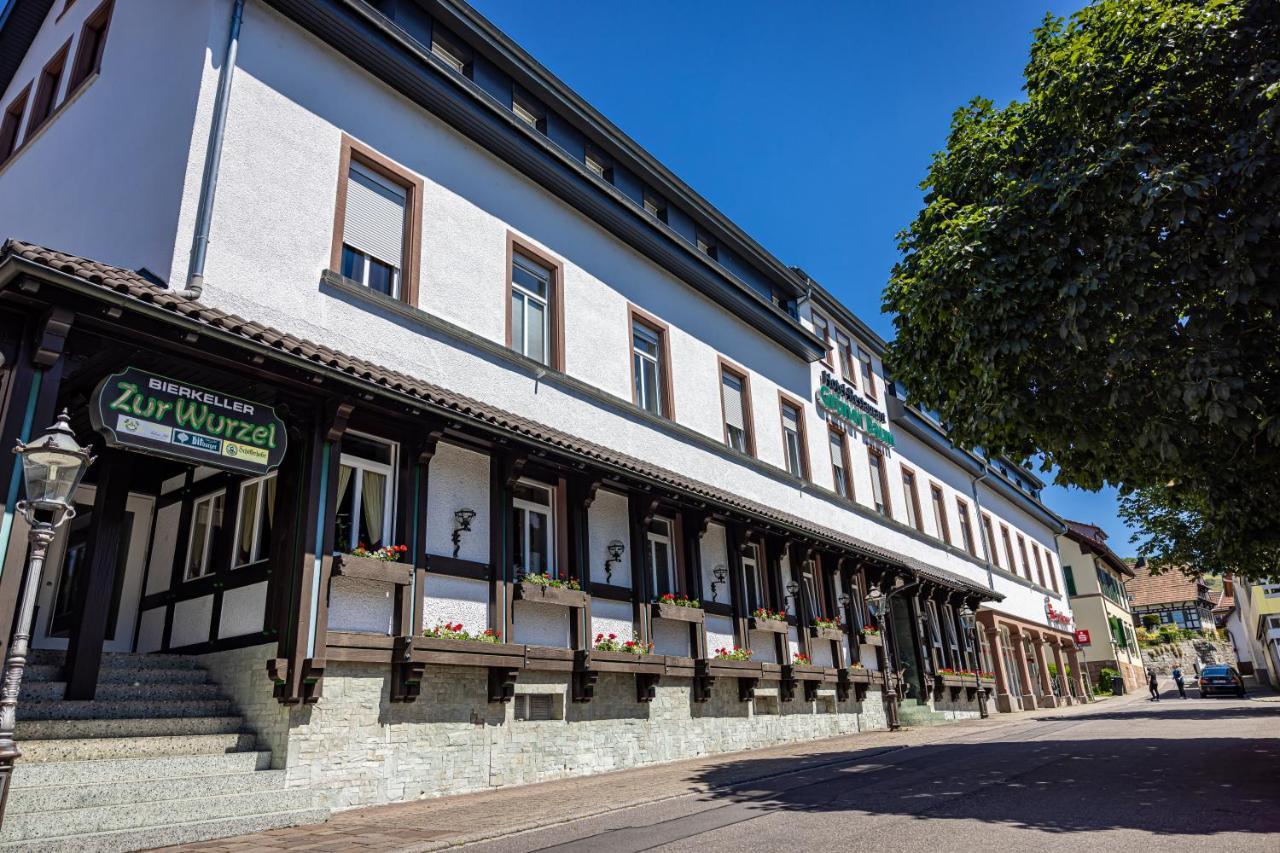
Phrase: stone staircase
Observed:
(158, 757)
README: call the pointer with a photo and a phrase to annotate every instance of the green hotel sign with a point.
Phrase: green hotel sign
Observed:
(844, 403)
(137, 410)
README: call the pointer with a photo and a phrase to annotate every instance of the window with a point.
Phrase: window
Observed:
(366, 493)
(650, 368)
(47, 90)
(655, 205)
(1026, 563)
(10, 124)
(530, 295)
(793, 449)
(534, 544)
(868, 376)
(949, 626)
(253, 520)
(735, 398)
(377, 228)
(707, 246)
(599, 164)
(529, 110)
(206, 525)
(535, 707)
(966, 528)
(662, 563)
(991, 540)
(940, 527)
(1008, 549)
(1035, 552)
(912, 499)
(1069, 579)
(822, 329)
(840, 464)
(879, 483)
(93, 41)
(844, 352)
(455, 54)
(751, 568)
(1053, 575)
(934, 631)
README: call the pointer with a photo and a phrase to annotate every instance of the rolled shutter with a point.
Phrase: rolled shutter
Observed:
(374, 220)
(733, 413)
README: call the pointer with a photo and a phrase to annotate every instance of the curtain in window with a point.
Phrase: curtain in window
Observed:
(248, 515)
(373, 500)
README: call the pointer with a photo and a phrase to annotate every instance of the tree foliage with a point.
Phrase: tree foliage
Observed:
(1094, 275)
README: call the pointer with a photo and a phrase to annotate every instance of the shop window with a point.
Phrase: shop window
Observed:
(533, 510)
(366, 493)
(662, 560)
(793, 444)
(93, 41)
(735, 397)
(206, 525)
(254, 515)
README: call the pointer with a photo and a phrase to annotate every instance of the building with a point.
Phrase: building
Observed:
(1096, 577)
(1171, 597)
(1255, 631)
(365, 276)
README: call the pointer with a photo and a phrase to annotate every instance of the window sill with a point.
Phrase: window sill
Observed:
(34, 135)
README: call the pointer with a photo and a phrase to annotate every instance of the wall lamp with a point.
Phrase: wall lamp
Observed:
(614, 549)
(461, 524)
(720, 573)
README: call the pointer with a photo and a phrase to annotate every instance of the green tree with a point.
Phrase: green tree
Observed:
(1095, 274)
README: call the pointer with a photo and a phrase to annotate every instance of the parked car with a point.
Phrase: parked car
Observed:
(1220, 678)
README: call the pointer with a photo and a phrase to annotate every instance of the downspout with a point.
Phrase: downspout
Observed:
(212, 159)
(982, 528)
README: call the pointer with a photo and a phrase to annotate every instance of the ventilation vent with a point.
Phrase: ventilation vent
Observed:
(533, 707)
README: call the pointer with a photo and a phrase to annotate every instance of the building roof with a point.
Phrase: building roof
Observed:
(1094, 539)
(1173, 586)
(1225, 604)
(136, 288)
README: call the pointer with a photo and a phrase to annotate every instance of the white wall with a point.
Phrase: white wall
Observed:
(607, 520)
(459, 478)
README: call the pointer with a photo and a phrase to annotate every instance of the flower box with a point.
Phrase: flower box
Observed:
(732, 668)
(956, 680)
(558, 595)
(773, 626)
(668, 610)
(438, 650)
(872, 640)
(626, 662)
(825, 633)
(802, 672)
(370, 568)
(858, 675)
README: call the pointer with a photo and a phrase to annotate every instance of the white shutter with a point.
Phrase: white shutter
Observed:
(733, 414)
(374, 221)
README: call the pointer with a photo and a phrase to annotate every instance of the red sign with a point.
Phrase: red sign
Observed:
(1082, 637)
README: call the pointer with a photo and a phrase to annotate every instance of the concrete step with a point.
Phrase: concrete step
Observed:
(121, 660)
(85, 821)
(62, 709)
(38, 673)
(131, 769)
(46, 799)
(163, 836)
(32, 730)
(123, 691)
(89, 749)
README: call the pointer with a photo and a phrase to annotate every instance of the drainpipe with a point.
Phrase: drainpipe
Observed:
(982, 528)
(212, 159)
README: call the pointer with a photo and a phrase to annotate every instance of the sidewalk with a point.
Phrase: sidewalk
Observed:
(434, 824)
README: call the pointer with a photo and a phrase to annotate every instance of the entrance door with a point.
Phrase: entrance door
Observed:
(64, 574)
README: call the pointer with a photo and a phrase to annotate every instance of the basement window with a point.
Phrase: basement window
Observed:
(537, 707)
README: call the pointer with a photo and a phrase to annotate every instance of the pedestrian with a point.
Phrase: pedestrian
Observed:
(1151, 685)
(1177, 679)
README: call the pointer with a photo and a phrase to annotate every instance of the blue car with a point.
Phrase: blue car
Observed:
(1220, 678)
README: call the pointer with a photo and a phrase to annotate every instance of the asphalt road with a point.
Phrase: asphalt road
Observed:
(1194, 774)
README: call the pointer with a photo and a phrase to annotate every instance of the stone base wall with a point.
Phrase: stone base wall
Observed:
(242, 673)
(1164, 657)
(361, 749)
(1135, 679)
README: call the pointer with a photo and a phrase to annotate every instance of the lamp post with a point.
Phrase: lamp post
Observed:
(878, 605)
(970, 621)
(52, 467)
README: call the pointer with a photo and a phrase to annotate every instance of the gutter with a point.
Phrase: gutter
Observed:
(982, 528)
(213, 159)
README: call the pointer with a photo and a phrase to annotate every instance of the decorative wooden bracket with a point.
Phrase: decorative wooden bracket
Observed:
(703, 681)
(787, 685)
(647, 686)
(811, 691)
(312, 680)
(51, 337)
(502, 683)
(843, 686)
(584, 677)
(406, 673)
(747, 689)
(515, 469)
(336, 416)
(278, 672)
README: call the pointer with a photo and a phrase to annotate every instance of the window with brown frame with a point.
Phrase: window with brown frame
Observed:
(535, 303)
(992, 550)
(735, 404)
(966, 528)
(1008, 549)
(93, 41)
(650, 364)
(844, 353)
(912, 498)
(1026, 562)
(377, 227)
(822, 329)
(10, 124)
(868, 375)
(941, 529)
(879, 482)
(840, 473)
(1053, 572)
(795, 451)
(47, 90)
(1035, 552)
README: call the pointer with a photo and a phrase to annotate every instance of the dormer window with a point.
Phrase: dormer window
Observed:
(600, 165)
(655, 205)
(707, 246)
(529, 110)
(454, 53)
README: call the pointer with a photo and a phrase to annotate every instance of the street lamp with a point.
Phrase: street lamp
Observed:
(970, 621)
(878, 607)
(52, 467)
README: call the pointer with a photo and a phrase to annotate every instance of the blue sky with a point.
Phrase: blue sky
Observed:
(812, 129)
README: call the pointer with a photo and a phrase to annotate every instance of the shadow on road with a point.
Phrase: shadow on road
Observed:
(1201, 709)
(1164, 786)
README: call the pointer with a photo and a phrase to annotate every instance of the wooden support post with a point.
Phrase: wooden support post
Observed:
(738, 585)
(775, 547)
(505, 468)
(89, 631)
(642, 507)
(580, 493)
(691, 526)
